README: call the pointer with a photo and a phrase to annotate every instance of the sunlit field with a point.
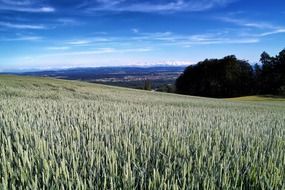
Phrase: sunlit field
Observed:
(57, 134)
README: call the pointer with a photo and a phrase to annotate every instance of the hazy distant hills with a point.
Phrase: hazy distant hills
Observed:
(119, 76)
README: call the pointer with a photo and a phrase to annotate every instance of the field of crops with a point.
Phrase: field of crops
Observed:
(57, 134)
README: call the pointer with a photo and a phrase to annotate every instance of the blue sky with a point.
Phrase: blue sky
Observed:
(47, 34)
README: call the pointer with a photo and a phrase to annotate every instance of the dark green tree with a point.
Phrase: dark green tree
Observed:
(272, 76)
(147, 85)
(227, 77)
(257, 88)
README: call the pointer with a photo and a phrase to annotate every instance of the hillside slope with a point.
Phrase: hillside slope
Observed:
(264, 98)
(57, 134)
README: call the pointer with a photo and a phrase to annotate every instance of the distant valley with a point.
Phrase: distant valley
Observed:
(133, 77)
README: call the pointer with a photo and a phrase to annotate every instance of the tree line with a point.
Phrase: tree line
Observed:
(232, 77)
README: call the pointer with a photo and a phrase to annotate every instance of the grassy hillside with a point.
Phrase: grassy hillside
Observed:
(57, 134)
(259, 98)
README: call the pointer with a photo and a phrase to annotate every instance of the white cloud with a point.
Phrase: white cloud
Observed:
(68, 21)
(13, 2)
(250, 24)
(58, 48)
(266, 28)
(164, 62)
(195, 39)
(22, 26)
(28, 9)
(79, 42)
(101, 51)
(162, 39)
(23, 38)
(31, 6)
(46, 9)
(135, 30)
(96, 57)
(159, 6)
(94, 60)
(90, 41)
(278, 31)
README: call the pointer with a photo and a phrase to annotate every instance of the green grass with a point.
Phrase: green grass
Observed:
(57, 134)
(267, 98)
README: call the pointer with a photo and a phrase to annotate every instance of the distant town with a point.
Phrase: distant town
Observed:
(132, 77)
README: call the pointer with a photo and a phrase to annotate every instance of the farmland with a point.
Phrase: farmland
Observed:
(131, 77)
(57, 134)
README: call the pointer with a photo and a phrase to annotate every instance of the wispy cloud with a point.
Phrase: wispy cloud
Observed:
(91, 41)
(135, 30)
(104, 51)
(13, 2)
(30, 6)
(158, 6)
(264, 28)
(154, 6)
(159, 39)
(68, 21)
(22, 38)
(87, 53)
(278, 31)
(58, 48)
(26, 9)
(22, 26)
(221, 41)
(170, 38)
(79, 42)
(95, 57)
(250, 24)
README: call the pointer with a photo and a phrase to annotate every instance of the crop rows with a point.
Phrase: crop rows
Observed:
(71, 135)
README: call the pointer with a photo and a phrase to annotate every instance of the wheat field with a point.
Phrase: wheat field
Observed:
(57, 134)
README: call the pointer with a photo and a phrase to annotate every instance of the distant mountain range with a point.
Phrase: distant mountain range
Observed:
(133, 77)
